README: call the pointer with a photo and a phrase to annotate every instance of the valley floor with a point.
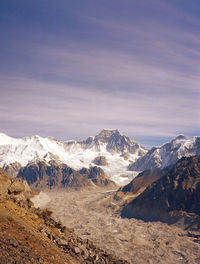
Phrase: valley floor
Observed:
(90, 213)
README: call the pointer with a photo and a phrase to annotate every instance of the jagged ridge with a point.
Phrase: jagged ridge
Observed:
(168, 154)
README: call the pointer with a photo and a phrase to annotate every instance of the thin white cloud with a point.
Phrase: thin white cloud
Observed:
(68, 108)
(144, 81)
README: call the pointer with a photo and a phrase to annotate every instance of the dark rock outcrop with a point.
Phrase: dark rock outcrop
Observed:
(44, 175)
(100, 161)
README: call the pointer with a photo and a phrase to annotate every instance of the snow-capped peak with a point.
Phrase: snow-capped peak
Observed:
(181, 136)
(5, 139)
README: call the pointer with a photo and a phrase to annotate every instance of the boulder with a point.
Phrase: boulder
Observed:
(100, 160)
(5, 182)
(16, 187)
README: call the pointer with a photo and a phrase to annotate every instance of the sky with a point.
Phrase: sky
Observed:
(69, 68)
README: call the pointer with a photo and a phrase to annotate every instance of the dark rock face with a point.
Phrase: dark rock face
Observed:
(100, 161)
(177, 190)
(97, 176)
(43, 175)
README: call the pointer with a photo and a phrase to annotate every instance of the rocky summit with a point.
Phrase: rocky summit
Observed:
(114, 142)
(174, 197)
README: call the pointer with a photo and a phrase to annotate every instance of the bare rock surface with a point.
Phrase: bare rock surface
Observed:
(41, 175)
(91, 215)
(100, 161)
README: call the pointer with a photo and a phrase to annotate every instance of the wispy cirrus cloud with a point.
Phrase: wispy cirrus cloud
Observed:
(138, 72)
(60, 110)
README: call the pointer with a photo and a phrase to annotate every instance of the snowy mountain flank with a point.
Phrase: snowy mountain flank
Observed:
(168, 154)
(109, 149)
(120, 157)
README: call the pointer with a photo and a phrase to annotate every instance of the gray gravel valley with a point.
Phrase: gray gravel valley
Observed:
(90, 214)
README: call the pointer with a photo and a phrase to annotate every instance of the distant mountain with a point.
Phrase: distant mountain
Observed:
(40, 174)
(118, 151)
(177, 191)
(168, 154)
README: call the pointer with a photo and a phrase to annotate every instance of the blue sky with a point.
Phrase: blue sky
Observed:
(71, 68)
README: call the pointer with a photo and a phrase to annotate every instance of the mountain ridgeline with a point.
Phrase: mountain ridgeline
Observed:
(168, 154)
(114, 142)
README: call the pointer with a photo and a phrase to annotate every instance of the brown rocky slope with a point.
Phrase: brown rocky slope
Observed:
(30, 235)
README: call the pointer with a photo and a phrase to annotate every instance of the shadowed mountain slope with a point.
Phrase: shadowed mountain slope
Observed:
(143, 180)
(177, 191)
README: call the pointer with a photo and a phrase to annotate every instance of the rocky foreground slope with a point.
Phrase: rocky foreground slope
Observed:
(30, 235)
(174, 196)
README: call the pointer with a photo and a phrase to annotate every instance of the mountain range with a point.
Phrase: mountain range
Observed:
(120, 157)
(109, 149)
(167, 190)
